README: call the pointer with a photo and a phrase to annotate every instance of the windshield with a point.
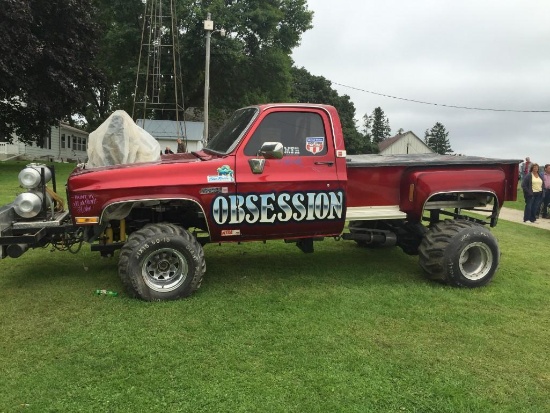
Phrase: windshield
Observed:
(228, 136)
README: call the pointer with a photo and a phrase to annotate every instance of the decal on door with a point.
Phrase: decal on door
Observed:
(230, 232)
(225, 174)
(214, 190)
(278, 207)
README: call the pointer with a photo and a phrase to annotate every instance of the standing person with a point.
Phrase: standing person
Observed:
(168, 151)
(545, 190)
(524, 168)
(181, 146)
(532, 191)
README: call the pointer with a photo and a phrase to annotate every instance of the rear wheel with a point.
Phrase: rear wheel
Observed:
(460, 253)
(161, 262)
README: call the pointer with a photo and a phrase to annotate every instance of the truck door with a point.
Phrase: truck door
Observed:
(296, 196)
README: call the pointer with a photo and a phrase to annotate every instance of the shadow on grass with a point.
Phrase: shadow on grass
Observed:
(332, 262)
(228, 265)
(43, 267)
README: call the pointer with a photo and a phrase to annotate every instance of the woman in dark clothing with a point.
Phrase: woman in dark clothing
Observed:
(532, 191)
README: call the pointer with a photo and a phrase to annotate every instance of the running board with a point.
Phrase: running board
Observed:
(374, 213)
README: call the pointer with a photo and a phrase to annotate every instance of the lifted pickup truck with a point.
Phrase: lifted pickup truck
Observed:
(274, 171)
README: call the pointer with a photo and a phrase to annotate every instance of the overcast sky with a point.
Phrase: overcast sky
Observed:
(482, 54)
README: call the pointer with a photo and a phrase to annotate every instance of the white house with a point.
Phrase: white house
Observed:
(403, 143)
(167, 132)
(64, 142)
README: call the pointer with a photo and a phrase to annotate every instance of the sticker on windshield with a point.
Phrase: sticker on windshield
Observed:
(315, 144)
(292, 150)
(225, 174)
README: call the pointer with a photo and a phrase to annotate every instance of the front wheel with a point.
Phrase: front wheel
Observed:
(161, 262)
(460, 253)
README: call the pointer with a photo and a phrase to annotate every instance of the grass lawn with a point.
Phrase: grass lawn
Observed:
(519, 204)
(272, 329)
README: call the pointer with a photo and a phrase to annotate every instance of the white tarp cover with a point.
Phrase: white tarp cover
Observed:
(119, 140)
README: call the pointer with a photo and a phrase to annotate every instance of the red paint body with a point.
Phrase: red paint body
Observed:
(289, 186)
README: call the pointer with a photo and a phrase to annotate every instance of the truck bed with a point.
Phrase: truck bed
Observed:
(423, 159)
(375, 181)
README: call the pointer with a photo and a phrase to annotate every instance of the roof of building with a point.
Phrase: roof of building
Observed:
(67, 126)
(389, 141)
(386, 143)
(168, 129)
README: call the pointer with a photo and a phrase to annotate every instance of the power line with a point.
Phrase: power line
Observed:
(441, 104)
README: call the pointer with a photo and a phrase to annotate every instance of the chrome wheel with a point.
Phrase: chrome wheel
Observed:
(164, 270)
(475, 261)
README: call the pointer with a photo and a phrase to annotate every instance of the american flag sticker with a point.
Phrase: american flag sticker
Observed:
(315, 144)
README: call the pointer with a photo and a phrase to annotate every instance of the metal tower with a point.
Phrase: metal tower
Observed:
(158, 90)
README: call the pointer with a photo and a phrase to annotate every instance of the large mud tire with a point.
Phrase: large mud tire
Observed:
(459, 253)
(161, 262)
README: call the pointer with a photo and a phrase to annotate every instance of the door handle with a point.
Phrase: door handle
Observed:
(329, 163)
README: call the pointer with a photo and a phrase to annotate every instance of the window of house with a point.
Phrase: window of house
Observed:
(63, 141)
(46, 141)
(79, 142)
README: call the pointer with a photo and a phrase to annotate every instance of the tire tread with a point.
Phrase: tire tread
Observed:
(432, 250)
(130, 281)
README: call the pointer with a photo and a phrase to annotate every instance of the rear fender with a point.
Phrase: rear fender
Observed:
(451, 188)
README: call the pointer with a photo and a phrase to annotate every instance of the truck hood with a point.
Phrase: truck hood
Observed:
(170, 173)
(165, 159)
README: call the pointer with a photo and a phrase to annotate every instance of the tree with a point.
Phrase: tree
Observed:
(436, 139)
(250, 65)
(370, 147)
(120, 24)
(46, 68)
(307, 88)
(378, 125)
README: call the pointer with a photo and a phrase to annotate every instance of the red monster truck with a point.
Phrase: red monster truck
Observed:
(277, 171)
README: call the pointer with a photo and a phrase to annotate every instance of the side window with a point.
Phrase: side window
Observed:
(301, 133)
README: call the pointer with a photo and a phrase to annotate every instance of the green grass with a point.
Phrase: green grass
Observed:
(519, 203)
(274, 330)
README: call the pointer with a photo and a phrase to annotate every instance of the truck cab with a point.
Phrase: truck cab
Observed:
(289, 181)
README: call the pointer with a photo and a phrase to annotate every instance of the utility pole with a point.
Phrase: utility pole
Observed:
(209, 28)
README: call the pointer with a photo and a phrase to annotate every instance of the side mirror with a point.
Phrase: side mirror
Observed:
(271, 150)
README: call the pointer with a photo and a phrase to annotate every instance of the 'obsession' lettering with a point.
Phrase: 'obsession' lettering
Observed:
(272, 207)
